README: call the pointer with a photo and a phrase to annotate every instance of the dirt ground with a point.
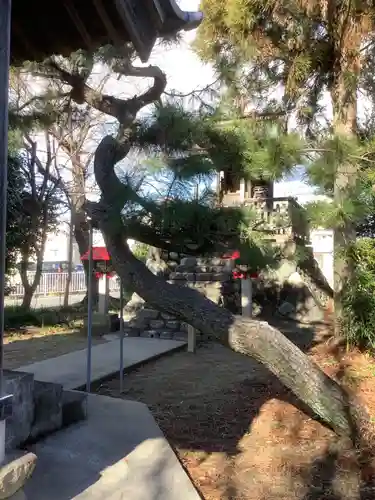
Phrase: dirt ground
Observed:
(24, 348)
(240, 434)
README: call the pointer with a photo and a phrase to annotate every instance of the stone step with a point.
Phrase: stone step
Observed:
(74, 407)
(48, 412)
(38, 408)
(18, 427)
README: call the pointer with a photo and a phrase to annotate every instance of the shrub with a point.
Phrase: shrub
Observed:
(16, 317)
(359, 297)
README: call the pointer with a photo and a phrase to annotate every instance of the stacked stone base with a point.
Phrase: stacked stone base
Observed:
(210, 277)
(150, 323)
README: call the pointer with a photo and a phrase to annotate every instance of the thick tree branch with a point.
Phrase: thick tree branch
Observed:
(153, 93)
(125, 110)
(109, 152)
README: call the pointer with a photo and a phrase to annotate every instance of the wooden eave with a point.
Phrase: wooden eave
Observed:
(41, 28)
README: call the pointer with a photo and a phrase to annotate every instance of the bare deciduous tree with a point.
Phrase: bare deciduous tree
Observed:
(40, 205)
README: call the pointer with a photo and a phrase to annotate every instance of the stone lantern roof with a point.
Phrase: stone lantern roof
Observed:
(41, 28)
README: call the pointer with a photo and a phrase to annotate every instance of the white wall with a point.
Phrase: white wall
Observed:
(56, 247)
(322, 245)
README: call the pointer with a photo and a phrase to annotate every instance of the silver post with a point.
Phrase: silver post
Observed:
(89, 308)
(5, 11)
(121, 336)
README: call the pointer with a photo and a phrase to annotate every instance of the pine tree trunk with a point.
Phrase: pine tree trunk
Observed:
(252, 338)
(344, 103)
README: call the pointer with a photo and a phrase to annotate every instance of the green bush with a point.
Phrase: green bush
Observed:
(16, 317)
(359, 297)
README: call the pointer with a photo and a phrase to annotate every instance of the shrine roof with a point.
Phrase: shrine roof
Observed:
(41, 28)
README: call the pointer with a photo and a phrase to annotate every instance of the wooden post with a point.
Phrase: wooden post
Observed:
(192, 339)
(247, 297)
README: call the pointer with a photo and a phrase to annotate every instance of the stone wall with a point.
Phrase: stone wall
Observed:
(212, 277)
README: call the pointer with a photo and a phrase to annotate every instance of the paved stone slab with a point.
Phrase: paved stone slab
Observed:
(70, 369)
(118, 453)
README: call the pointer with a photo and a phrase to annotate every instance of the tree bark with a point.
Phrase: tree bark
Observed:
(79, 221)
(252, 338)
(29, 288)
(347, 66)
(27, 295)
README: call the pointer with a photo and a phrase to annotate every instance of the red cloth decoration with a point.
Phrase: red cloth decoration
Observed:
(98, 253)
(98, 275)
(241, 275)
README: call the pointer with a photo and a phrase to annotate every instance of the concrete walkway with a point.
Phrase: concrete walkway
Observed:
(119, 453)
(70, 369)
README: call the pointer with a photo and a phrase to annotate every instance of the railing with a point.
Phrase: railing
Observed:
(55, 283)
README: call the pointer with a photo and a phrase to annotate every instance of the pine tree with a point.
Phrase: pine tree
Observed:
(305, 50)
(125, 211)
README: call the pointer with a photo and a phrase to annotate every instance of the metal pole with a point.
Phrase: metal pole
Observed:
(5, 11)
(89, 309)
(121, 336)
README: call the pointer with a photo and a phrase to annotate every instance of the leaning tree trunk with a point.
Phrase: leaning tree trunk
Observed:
(250, 337)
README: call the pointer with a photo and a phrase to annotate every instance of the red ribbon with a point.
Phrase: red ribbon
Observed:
(240, 275)
(98, 275)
